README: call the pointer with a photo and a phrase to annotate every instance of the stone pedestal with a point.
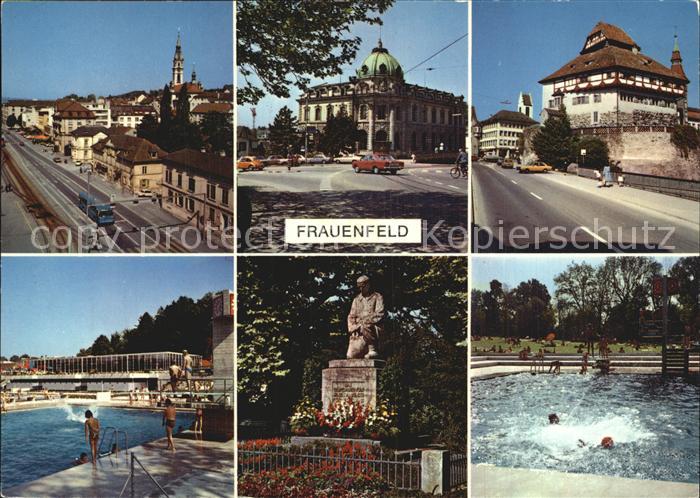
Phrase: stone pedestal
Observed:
(351, 379)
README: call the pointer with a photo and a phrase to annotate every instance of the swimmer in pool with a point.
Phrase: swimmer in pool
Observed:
(82, 459)
(556, 365)
(92, 434)
(169, 415)
(607, 442)
(553, 418)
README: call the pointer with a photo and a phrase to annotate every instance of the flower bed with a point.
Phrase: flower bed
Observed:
(321, 482)
(344, 419)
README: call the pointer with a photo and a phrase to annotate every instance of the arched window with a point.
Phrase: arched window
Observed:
(317, 113)
(363, 111)
(380, 136)
(381, 112)
(306, 113)
(424, 141)
(329, 111)
(342, 111)
(382, 68)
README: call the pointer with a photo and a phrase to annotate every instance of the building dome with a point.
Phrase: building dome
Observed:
(380, 63)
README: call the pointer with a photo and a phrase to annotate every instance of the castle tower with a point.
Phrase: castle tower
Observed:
(178, 64)
(194, 74)
(525, 104)
(677, 68)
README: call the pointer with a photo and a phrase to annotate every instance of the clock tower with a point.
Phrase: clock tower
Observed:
(178, 64)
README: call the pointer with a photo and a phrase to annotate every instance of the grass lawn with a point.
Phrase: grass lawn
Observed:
(487, 343)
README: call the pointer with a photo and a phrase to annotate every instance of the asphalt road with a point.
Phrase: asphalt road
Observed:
(559, 212)
(140, 226)
(427, 192)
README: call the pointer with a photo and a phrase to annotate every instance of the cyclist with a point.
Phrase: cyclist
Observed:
(461, 162)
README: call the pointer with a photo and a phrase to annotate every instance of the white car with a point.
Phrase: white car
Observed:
(318, 159)
(144, 192)
(344, 158)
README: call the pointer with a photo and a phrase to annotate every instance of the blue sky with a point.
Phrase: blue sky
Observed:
(518, 43)
(511, 270)
(52, 49)
(57, 305)
(412, 31)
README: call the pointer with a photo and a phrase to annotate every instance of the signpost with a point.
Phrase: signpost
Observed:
(583, 157)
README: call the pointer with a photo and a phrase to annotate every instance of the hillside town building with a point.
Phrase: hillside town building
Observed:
(611, 83)
(132, 162)
(69, 116)
(500, 133)
(198, 188)
(392, 114)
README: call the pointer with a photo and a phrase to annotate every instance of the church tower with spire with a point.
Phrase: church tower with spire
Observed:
(178, 64)
(677, 68)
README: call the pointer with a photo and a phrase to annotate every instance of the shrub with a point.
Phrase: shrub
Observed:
(304, 418)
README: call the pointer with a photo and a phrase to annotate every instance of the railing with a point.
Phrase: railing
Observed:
(616, 130)
(131, 479)
(458, 469)
(221, 389)
(687, 189)
(114, 440)
(401, 471)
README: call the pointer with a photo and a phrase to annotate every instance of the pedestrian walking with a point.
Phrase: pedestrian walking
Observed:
(607, 176)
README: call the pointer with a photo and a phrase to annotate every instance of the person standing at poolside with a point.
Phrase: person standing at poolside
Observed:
(187, 360)
(175, 373)
(198, 420)
(584, 363)
(169, 415)
(92, 434)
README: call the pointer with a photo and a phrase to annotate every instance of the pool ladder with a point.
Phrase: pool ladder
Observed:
(113, 439)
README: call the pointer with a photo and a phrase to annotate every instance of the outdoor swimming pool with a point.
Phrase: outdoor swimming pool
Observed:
(36, 443)
(652, 420)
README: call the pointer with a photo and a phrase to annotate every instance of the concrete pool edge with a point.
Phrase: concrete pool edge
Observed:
(490, 481)
(182, 472)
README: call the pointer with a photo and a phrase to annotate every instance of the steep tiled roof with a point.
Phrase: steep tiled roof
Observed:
(132, 110)
(29, 103)
(131, 149)
(209, 164)
(527, 99)
(212, 107)
(510, 117)
(611, 34)
(694, 113)
(71, 109)
(89, 131)
(191, 88)
(611, 57)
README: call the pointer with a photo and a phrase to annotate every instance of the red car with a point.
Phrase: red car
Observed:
(377, 163)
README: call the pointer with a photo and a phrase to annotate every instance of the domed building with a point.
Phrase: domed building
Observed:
(393, 115)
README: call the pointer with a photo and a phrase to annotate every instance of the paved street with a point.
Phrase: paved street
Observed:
(336, 191)
(49, 193)
(514, 211)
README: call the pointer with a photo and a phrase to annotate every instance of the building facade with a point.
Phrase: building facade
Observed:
(198, 188)
(131, 116)
(501, 133)
(68, 117)
(611, 83)
(132, 162)
(83, 140)
(392, 114)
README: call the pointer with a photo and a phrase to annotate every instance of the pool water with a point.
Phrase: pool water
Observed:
(36, 443)
(652, 420)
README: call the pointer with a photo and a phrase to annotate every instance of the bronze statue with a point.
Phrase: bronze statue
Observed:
(365, 321)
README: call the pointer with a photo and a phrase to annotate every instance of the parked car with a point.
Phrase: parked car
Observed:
(377, 163)
(144, 192)
(536, 167)
(57, 159)
(508, 163)
(491, 159)
(271, 160)
(247, 163)
(319, 159)
(345, 158)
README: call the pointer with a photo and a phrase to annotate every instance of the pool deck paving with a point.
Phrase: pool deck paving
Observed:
(197, 468)
(489, 481)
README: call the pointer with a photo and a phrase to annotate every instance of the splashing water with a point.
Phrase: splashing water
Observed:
(80, 416)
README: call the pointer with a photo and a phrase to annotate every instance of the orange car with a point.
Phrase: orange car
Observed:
(248, 163)
(377, 163)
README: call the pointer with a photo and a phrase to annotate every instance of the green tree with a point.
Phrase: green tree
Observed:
(14, 358)
(101, 346)
(553, 142)
(149, 129)
(165, 127)
(217, 132)
(340, 133)
(685, 138)
(581, 298)
(687, 271)
(533, 314)
(280, 44)
(11, 121)
(283, 132)
(596, 152)
(183, 134)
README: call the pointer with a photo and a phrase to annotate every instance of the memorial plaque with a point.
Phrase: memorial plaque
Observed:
(351, 379)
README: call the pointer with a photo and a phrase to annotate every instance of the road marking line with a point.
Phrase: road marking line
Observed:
(594, 235)
(439, 183)
(453, 187)
(536, 196)
(514, 182)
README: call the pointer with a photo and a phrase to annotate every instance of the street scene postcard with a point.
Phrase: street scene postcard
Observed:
(117, 127)
(352, 126)
(587, 129)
